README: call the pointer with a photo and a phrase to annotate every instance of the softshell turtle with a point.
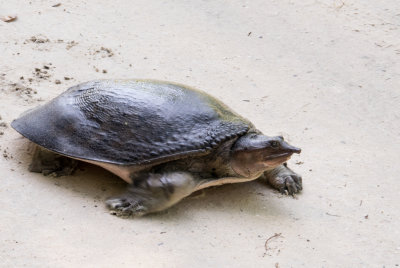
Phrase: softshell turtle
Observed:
(166, 140)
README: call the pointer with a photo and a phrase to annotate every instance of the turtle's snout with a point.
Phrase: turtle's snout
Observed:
(289, 148)
(296, 150)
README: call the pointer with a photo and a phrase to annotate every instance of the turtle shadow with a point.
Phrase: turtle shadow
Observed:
(246, 198)
(93, 182)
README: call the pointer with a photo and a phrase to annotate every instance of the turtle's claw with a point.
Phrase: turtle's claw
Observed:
(285, 180)
(293, 184)
(125, 207)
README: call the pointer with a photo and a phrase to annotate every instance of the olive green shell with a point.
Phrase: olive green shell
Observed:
(131, 122)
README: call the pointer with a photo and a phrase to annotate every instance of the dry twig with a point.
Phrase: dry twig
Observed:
(266, 241)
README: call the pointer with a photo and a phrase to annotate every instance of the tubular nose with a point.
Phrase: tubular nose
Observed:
(291, 148)
(296, 150)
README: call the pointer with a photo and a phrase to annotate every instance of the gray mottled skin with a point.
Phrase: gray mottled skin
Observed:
(170, 139)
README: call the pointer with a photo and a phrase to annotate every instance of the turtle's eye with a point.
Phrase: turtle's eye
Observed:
(274, 144)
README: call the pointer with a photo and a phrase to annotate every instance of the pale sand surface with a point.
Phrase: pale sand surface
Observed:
(325, 74)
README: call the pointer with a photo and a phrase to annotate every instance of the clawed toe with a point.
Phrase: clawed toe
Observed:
(292, 184)
(285, 180)
(125, 207)
(287, 184)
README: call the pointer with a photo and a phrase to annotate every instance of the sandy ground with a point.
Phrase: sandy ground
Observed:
(325, 74)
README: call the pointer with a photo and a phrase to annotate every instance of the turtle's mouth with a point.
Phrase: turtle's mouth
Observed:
(274, 160)
(277, 156)
(283, 154)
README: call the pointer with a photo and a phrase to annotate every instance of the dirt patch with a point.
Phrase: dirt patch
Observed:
(3, 126)
(6, 154)
(39, 39)
(43, 73)
(102, 52)
(71, 44)
(23, 91)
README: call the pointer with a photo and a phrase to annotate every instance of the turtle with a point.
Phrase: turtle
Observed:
(165, 139)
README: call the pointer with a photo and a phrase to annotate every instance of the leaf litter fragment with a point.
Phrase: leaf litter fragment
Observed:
(9, 18)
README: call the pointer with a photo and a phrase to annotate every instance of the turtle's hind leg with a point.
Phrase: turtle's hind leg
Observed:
(153, 192)
(47, 162)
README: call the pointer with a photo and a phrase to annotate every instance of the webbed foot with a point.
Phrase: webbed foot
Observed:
(285, 180)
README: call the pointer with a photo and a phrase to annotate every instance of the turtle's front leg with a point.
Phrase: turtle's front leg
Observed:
(152, 192)
(284, 179)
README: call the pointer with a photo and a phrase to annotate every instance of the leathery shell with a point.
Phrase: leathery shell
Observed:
(131, 122)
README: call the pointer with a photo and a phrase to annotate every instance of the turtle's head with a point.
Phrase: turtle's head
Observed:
(254, 153)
